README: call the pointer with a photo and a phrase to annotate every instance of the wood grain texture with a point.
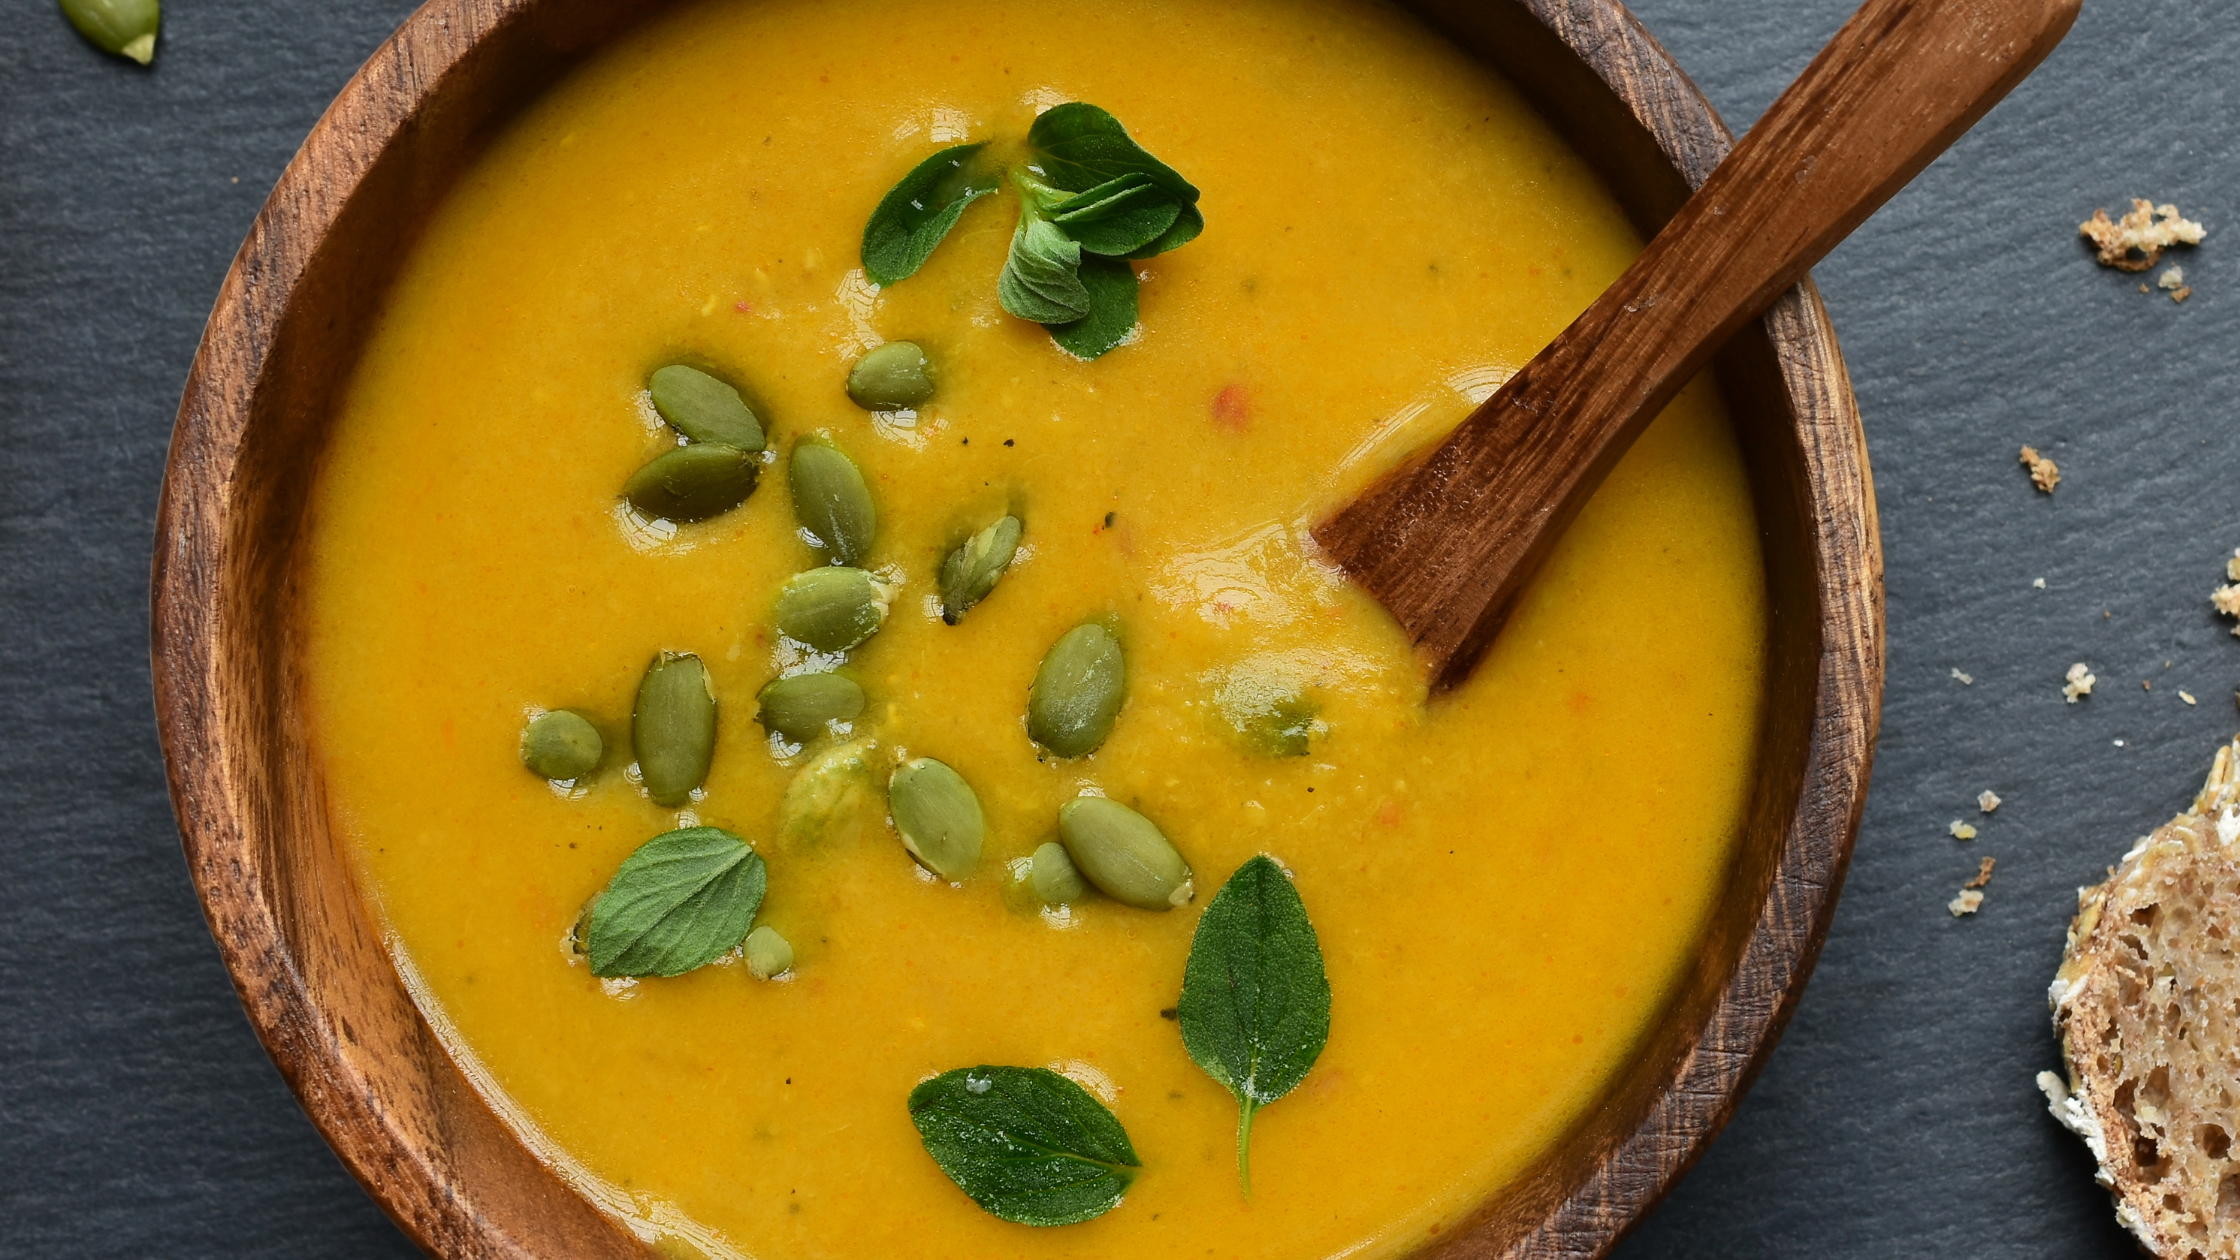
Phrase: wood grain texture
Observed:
(277, 887)
(1450, 542)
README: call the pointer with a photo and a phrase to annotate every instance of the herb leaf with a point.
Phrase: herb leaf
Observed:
(1186, 227)
(1255, 1008)
(1041, 280)
(677, 903)
(1079, 146)
(1088, 194)
(914, 215)
(1111, 285)
(1026, 1144)
(1117, 217)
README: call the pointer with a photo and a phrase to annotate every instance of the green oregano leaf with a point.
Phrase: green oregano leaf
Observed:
(1185, 229)
(1111, 286)
(1041, 280)
(679, 902)
(1118, 217)
(1255, 1008)
(1079, 146)
(1088, 195)
(1026, 1144)
(914, 216)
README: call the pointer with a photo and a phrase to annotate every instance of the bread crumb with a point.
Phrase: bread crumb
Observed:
(2187, 698)
(2146, 684)
(1988, 801)
(1983, 873)
(1961, 830)
(2039, 584)
(2172, 277)
(1966, 680)
(2135, 242)
(2043, 473)
(2232, 566)
(2181, 295)
(2080, 682)
(1968, 902)
(2226, 600)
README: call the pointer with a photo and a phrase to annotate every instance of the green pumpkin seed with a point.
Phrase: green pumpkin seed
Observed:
(1284, 727)
(561, 745)
(798, 706)
(938, 815)
(1124, 854)
(673, 727)
(704, 408)
(971, 571)
(1077, 692)
(891, 378)
(834, 784)
(693, 483)
(1054, 876)
(124, 27)
(579, 932)
(768, 954)
(833, 609)
(832, 502)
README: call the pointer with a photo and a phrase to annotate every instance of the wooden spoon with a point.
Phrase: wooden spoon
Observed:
(1449, 542)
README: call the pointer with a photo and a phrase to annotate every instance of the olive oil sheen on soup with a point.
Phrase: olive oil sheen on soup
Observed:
(1504, 883)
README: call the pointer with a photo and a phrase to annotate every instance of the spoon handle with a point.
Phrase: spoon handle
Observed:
(1449, 542)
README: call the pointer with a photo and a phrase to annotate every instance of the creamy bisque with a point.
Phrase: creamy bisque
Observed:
(1507, 883)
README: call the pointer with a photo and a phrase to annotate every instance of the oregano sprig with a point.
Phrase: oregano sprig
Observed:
(1255, 1008)
(1089, 197)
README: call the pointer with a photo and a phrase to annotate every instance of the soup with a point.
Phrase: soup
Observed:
(1507, 882)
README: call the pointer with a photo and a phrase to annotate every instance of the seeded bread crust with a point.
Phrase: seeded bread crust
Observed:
(2147, 1005)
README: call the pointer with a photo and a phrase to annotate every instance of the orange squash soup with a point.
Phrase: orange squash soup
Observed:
(1506, 882)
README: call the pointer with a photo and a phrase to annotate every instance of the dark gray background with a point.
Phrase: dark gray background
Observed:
(138, 1117)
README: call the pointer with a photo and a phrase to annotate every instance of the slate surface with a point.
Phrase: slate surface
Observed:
(138, 1117)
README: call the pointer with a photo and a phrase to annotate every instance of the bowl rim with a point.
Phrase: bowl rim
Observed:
(197, 655)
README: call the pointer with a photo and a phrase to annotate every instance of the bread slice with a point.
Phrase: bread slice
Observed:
(2147, 1005)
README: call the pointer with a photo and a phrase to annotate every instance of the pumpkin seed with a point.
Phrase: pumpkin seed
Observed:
(1054, 876)
(579, 932)
(768, 954)
(704, 408)
(673, 727)
(891, 378)
(561, 745)
(938, 816)
(693, 483)
(798, 706)
(124, 27)
(971, 571)
(1077, 693)
(833, 609)
(833, 784)
(1284, 727)
(1124, 854)
(832, 502)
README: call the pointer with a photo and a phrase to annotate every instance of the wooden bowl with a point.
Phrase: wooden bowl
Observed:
(277, 886)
